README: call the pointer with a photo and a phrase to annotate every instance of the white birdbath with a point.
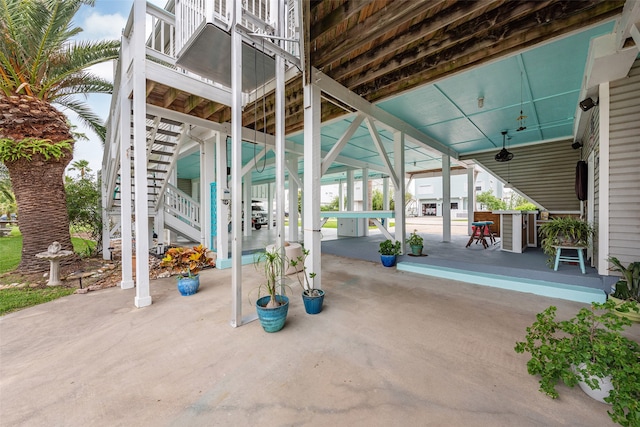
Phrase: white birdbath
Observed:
(54, 254)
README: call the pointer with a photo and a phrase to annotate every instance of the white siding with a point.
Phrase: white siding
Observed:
(624, 168)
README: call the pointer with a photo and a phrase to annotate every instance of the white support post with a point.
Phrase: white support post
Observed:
(280, 147)
(350, 190)
(293, 197)
(313, 173)
(207, 176)
(236, 168)
(143, 298)
(126, 249)
(471, 196)
(604, 103)
(340, 196)
(398, 157)
(222, 205)
(247, 204)
(158, 226)
(385, 198)
(446, 198)
(365, 198)
(270, 198)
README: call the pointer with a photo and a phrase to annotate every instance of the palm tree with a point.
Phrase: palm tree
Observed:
(42, 66)
(81, 166)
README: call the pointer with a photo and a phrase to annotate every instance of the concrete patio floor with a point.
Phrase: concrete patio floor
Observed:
(389, 349)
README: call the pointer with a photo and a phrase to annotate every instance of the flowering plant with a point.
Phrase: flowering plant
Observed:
(187, 261)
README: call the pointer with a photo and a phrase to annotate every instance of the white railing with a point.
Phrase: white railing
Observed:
(182, 206)
(161, 40)
(191, 13)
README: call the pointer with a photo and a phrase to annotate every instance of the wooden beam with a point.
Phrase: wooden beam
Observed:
(169, 97)
(374, 26)
(150, 86)
(191, 103)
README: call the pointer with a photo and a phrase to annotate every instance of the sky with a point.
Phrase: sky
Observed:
(105, 20)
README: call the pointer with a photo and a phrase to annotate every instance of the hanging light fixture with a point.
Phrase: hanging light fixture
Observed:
(522, 119)
(504, 155)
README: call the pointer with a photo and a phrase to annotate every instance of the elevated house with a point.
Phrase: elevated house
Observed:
(216, 100)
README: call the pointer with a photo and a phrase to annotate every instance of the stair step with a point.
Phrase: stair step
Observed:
(162, 153)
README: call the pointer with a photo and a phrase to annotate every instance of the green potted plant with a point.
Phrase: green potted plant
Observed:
(588, 350)
(416, 243)
(187, 262)
(627, 288)
(565, 231)
(389, 251)
(273, 307)
(311, 297)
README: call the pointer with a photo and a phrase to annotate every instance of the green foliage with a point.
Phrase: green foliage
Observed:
(40, 58)
(377, 201)
(627, 288)
(333, 205)
(16, 299)
(592, 337)
(84, 206)
(187, 261)
(304, 279)
(527, 206)
(558, 229)
(11, 150)
(490, 202)
(388, 247)
(271, 263)
(415, 239)
(7, 198)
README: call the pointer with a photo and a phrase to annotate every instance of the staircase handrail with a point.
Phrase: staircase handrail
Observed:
(181, 205)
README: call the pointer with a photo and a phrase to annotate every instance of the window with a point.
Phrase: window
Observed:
(454, 205)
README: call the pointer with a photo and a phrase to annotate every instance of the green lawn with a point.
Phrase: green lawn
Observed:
(16, 299)
(11, 249)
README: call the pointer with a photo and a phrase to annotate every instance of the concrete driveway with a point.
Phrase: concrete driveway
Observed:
(389, 349)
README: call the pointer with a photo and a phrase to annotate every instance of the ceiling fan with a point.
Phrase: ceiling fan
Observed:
(504, 155)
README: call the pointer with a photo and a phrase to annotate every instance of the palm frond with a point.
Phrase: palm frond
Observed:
(85, 114)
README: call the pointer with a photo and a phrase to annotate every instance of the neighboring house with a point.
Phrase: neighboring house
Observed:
(179, 103)
(429, 193)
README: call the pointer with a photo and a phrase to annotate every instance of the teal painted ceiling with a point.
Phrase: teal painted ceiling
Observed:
(544, 83)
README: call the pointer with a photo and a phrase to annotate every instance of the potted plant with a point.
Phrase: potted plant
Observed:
(627, 288)
(587, 349)
(389, 250)
(187, 262)
(272, 308)
(311, 297)
(565, 231)
(416, 243)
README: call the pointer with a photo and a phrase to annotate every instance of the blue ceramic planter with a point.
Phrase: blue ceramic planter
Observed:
(313, 304)
(188, 285)
(272, 319)
(388, 260)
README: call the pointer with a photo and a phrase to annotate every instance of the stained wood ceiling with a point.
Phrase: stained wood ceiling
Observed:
(380, 48)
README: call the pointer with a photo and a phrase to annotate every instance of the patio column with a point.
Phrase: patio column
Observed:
(143, 298)
(446, 198)
(350, 190)
(313, 173)
(247, 203)
(471, 197)
(365, 198)
(398, 158)
(222, 202)
(340, 197)
(270, 197)
(385, 199)
(207, 176)
(292, 161)
(236, 169)
(605, 155)
(126, 247)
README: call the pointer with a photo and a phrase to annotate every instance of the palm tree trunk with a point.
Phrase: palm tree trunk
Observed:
(42, 208)
(38, 183)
